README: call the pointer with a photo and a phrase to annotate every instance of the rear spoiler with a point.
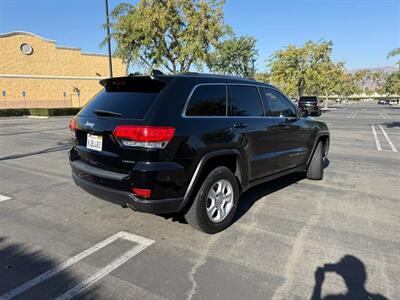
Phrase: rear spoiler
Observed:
(134, 84)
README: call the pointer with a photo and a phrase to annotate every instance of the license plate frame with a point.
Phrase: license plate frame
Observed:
(94, 142)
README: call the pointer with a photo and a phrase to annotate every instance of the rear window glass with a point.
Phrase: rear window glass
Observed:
(308, 99)
(127, 99)
(208, 100)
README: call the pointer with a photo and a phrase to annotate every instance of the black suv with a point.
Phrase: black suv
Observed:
(309, 106)
(190, 143)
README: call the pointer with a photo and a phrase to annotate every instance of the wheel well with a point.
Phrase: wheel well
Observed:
(230, 161)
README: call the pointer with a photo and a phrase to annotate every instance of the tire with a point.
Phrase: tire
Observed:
(197, 215)
(315, 169)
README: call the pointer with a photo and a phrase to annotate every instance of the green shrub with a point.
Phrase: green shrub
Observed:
(14, 112)
(47, 112)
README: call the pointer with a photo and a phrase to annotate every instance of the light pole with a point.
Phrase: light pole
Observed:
(108, 39)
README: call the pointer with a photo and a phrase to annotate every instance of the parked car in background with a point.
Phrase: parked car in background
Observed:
(190, 144)
(383, 101)
(309, 105)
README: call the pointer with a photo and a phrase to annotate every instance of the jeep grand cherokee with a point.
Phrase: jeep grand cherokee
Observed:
(190, 143)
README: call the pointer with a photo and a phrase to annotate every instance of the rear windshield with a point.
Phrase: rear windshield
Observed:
(308, 99)
(131, 99)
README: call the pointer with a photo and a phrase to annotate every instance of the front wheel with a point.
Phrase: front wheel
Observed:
(315, 169)
(216, 202)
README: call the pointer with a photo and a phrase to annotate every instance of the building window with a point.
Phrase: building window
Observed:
(4, 93)
(23, 93)
(26, 49)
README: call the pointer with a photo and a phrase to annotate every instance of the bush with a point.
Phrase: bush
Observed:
(14, 112)
(48, 112)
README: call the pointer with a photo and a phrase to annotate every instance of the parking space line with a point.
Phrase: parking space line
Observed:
(388, 139)
(143, 243)
(101, 273)
(4, 198)
(352, 115)
(384, 116)
(378, 144)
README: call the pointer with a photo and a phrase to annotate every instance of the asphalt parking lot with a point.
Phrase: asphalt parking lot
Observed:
(57, 241)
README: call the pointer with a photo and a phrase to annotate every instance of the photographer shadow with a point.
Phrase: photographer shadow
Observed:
(354, 274)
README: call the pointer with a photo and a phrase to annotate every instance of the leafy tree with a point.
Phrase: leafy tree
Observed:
(325, 79)
(171, 34)
(379, 79)
(392, 84)
(235, 56)
(394, 53)
(262, 77)
(347, 85)
(293, 68)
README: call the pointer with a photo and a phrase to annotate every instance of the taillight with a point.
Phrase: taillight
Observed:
(73, 125)
(141, 193)
(144, 136)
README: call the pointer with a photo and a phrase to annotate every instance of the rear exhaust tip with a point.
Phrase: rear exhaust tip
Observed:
(128, 205)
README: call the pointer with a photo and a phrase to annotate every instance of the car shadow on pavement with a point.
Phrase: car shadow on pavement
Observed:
(391, 124)
(252, 195)
(19, 264)
(354, 275)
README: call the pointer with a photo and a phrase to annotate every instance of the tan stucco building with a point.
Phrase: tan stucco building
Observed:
(35, 72)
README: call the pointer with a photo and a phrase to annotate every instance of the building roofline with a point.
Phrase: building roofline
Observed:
(12, 33)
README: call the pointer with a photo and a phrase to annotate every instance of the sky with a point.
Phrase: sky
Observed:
(363, 31)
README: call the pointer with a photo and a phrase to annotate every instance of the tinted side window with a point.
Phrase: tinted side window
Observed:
(276, 104)
(244, 101)
(208, 100)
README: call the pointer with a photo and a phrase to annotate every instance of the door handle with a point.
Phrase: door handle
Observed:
(240, 125)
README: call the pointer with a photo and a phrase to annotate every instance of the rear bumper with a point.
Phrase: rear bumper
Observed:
(125, 198)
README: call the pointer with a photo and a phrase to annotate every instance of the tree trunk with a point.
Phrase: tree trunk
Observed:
(326, 98)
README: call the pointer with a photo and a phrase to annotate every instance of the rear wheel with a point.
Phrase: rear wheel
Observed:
(315, 169)
(216, 202)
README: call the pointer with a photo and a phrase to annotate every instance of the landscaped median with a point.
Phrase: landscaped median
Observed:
(43, 112)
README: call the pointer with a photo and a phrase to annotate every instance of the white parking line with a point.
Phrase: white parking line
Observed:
(378, 144)
(388, 139)
(4, 198)
(383, 116)
(143, 243)
(352, 115)
(101, 273)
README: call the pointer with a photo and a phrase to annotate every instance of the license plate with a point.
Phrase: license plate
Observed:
(94, 142)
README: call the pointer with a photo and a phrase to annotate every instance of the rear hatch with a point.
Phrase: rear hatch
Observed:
(308, 102)
(125, 102)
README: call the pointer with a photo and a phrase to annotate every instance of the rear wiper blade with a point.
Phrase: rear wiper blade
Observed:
(102, 112)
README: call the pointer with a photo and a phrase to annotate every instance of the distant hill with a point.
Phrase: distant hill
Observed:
(385, 70)
(369, 83)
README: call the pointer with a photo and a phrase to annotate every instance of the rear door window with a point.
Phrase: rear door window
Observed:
(130, 99)
(244, 101)
(208, 100)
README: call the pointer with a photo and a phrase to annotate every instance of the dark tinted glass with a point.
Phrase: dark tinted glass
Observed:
(244, 101)
(276, 104)
(208, 100)
(129, 104)
(308, 99)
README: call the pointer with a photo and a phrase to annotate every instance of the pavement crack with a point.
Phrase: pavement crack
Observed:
(298, 247)
(202, 259)
(47, 150)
